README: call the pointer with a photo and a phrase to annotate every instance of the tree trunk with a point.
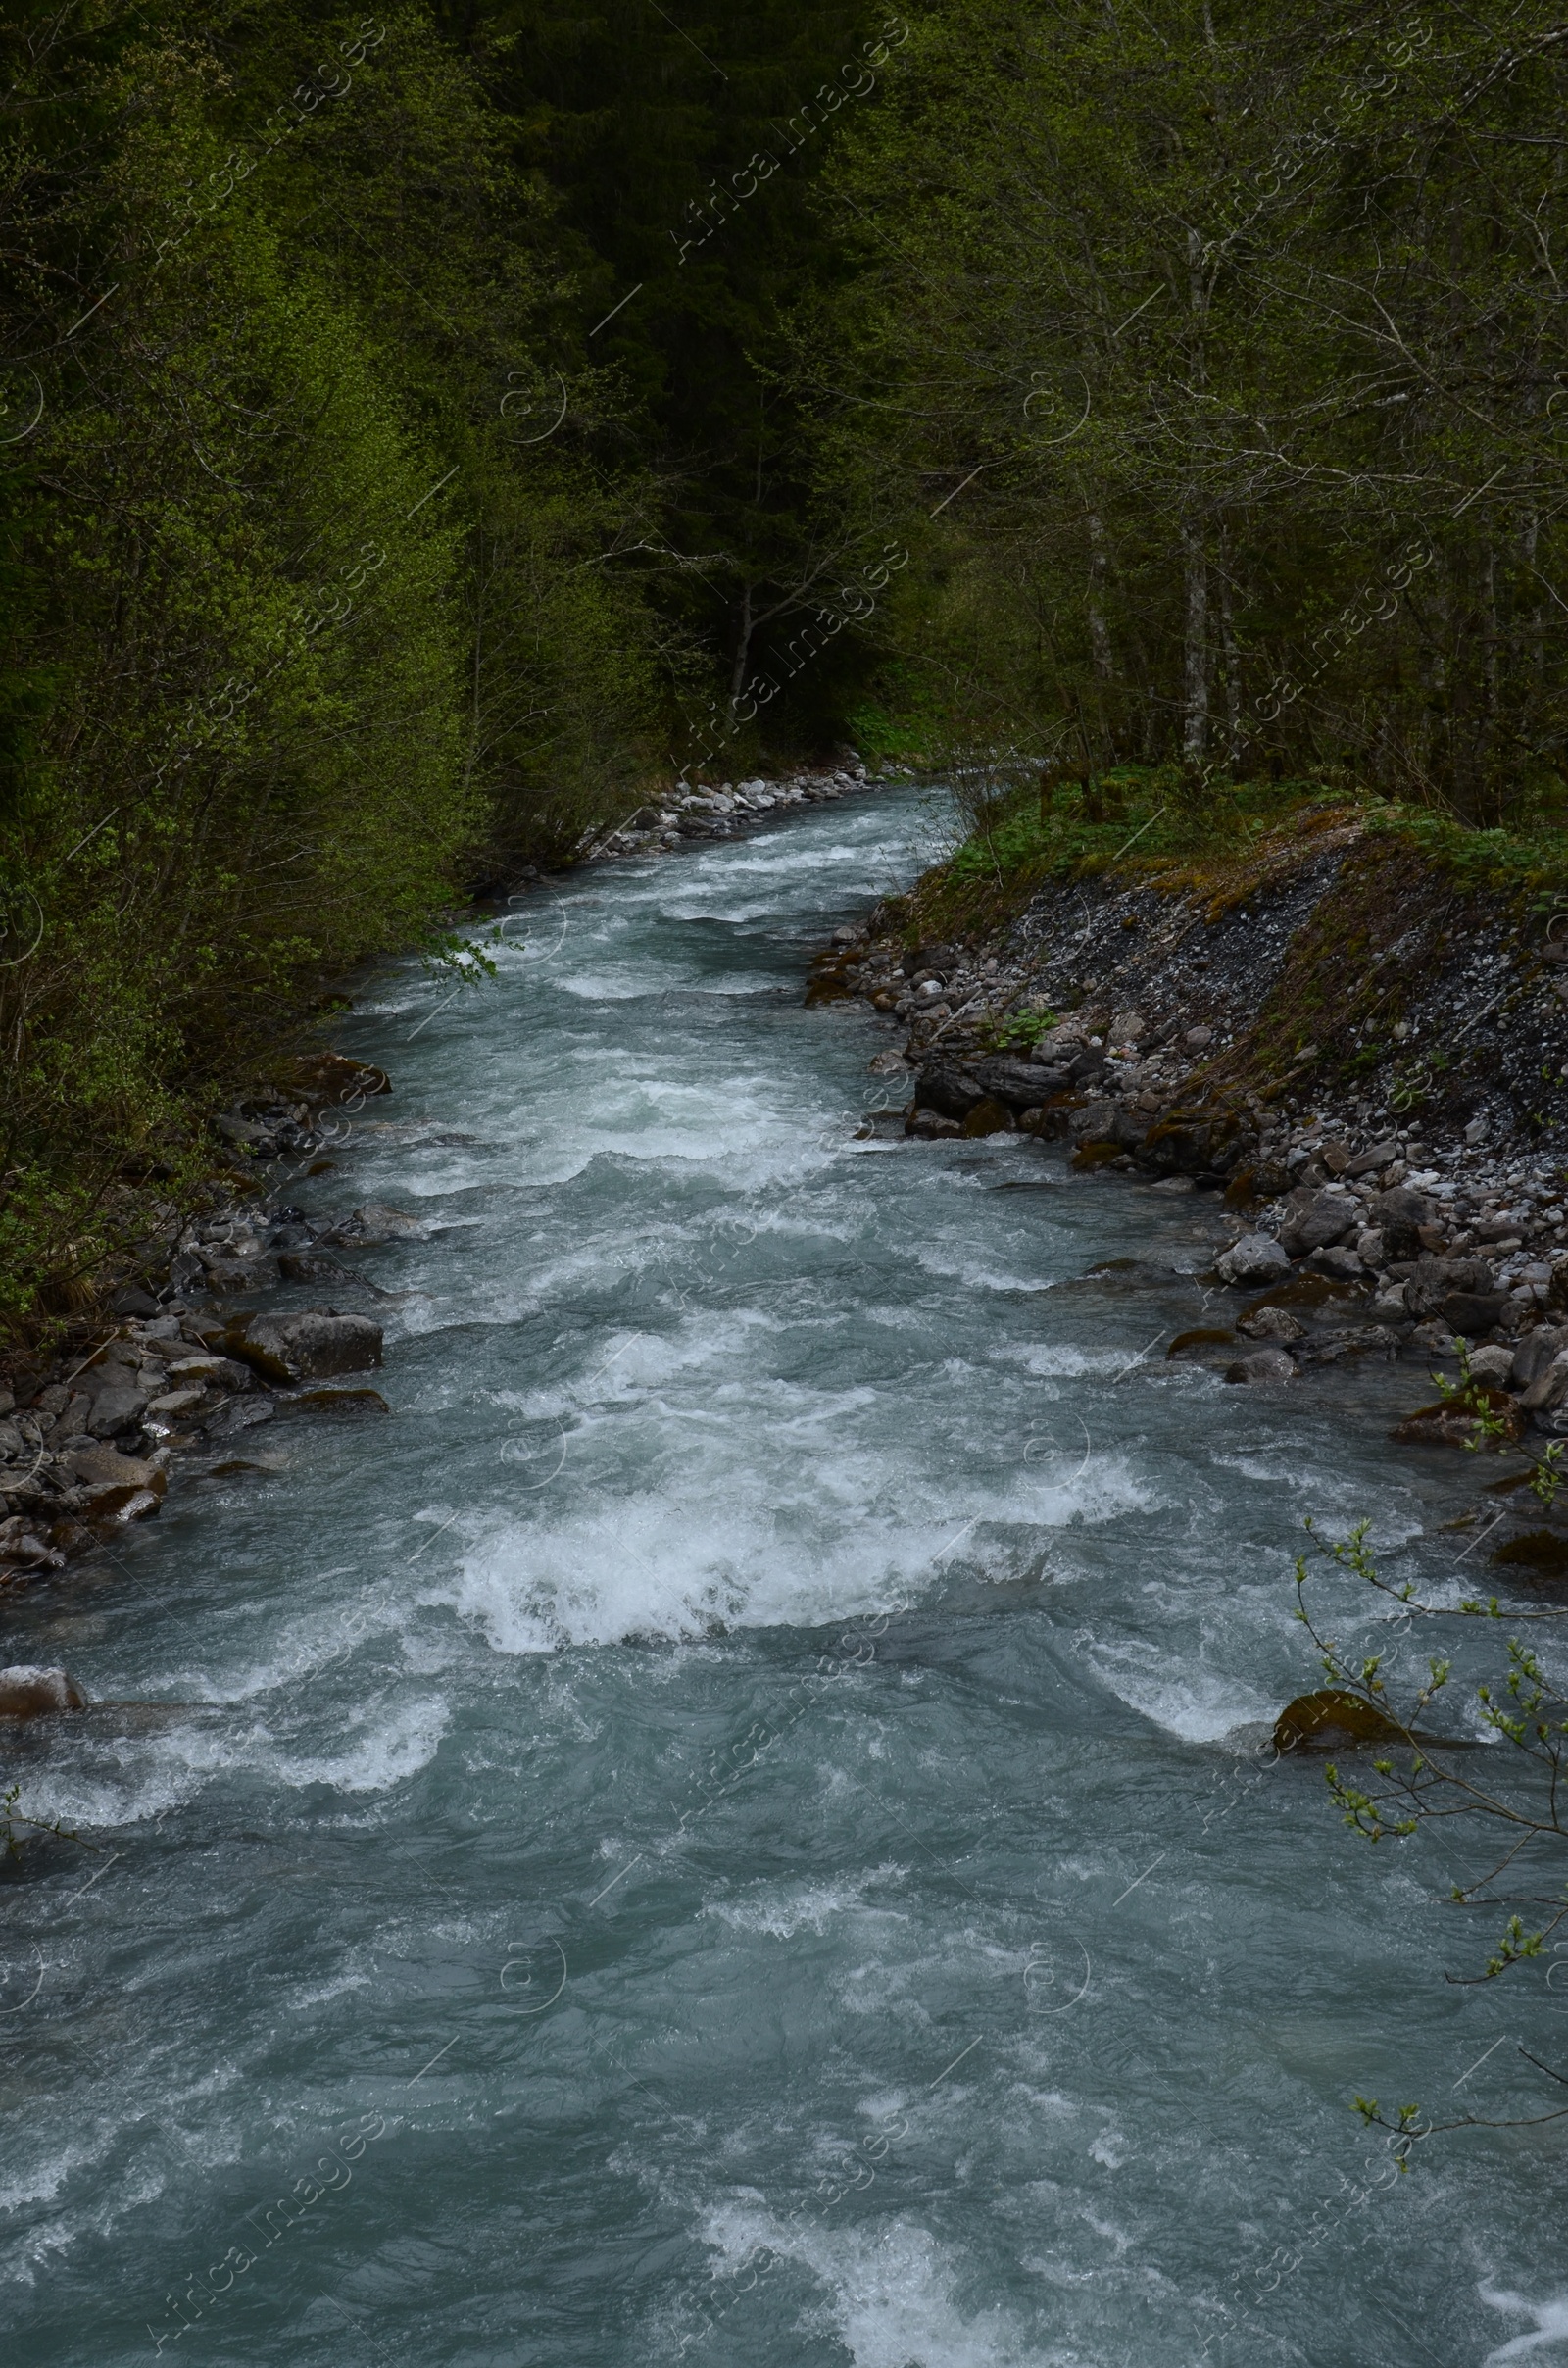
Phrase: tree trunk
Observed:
(1194, 683)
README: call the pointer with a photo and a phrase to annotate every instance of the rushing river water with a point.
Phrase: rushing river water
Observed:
(732, 1826)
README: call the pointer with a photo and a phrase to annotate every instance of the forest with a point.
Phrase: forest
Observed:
(427, 434)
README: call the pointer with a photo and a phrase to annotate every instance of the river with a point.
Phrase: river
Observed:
(732, 1826)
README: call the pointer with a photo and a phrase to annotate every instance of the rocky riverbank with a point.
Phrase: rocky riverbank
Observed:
(1363, 1058)
(730, 808)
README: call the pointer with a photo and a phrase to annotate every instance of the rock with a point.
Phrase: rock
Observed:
(1371, 1247)
(951, 1092)
(366, 1227)
(1255, 1258)
(1549, 1388)
(131, 1299)
(1369, 1163)
(309, 1347)
(1494, 1364)
(22, 1547)
(331, 1402)
(1331, 1718)
(888, 1064)
(1266, 1180)
(1313, 1221)
(1179, 1184)
(233, 1274)
(988, 1117)
(29, 1692)
(1432, 1281)
(1263, 1365)
(116, 1408)
(1341, 1260)
(95, 1468)
(931, 1126)
(1271, 1323)
(1452, 1423)
(313, 1266)
(1534, 1353)
(1535, 1550)
(174, 1403)
(1020, 1084)
(1398, 1214)
(1128, 1027)
(215, 1373)
(1198, 1039)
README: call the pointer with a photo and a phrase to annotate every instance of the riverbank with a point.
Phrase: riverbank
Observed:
(1363, 1055)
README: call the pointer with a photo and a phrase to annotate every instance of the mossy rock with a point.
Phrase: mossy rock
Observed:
(1202, 1336)
(1538, 1549)
(988, 1117)
(1330, 1718)
(1451, 1422)
(1096, 1155)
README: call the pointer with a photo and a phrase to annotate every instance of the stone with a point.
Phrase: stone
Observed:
(1398, 1214)
(234, 1275)
(1314, 1220)
(1331, 1718)
(888, 1064)
(366, 1227)
(1340, 1260)
(1271, 1323)
(174, 1403)
(117, 1409)
(1020, 1084)
(98, 1468)
(1549, 1388)
(1494, 1364)
(313, 1266)
(1263, 1365)
(931, 1126)
(1177, 1184)
(1433, 1280)
(131, 1299)
(1255, 1258)
(1336, 1157)
(22, 1547)
(1128, 1027)
(28, 1691)
(313, 1345)
(1371, 1247)
(1197, 1039)
(949, 1093)
(988, 1117)
(1534, 1353)
(351, 1403)
(1372, 1162)
(1451, 1422)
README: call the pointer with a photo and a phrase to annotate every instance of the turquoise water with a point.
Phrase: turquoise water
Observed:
(732, 1826)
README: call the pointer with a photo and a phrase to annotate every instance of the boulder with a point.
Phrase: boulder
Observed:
(1339, 1260)
(951, 1092)
(1398, 1216)
(1494, 1364)
(1313, 1221)
(1331, 1718)
(1547, 1391)
(366, 1227)
(1263, 1365)
(988, 1117)
(1461, 1291)
(1451, 1422)
(96, 1468)
(309, 1347)
(1271, 1323)
(1020, 1084)
(1534, 1353)
(28, 1691)
(1255, 1259)
(116, 1408)
(22, 1547)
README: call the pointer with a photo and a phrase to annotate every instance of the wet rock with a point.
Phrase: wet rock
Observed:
(314, 1266)
(1264, 1180)
(1538, 1549)
(951, 1092)
(1255, 1258)
(1271, 1323)
(351, 1403)
(118, 1408)
(1020, 1084)
(931, 1126)
(309, 1347)
(367, 1228)
(1314, 1220)
(888, 1064)
(22, 1549)
(1176, 1185)
(1452, 1422)
(236, 1275)
(1201, 1336)
(1263, 1365)
(1494, 1364)
(988, 1117)
(1330, 1720)
(28, 1691)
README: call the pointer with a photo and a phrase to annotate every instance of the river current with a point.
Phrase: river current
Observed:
(734, 1825)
